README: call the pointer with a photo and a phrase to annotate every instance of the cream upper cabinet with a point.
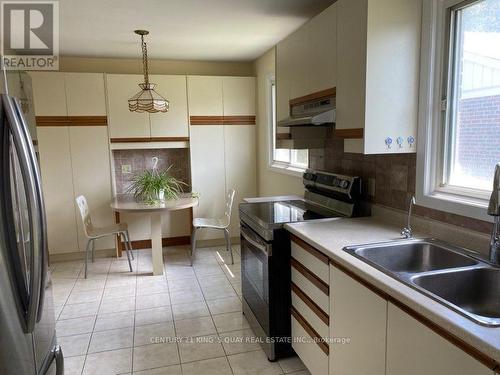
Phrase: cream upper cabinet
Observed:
(173, 123)
(85, 94)
(205, 96)
(378, 44)
(238, 96)
(283, 79)
(123, 123)
(361, 315)
(299, 68)
(49, 93)
(57, 184)
(414, 349)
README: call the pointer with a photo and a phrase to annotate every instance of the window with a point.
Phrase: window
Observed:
(459, 138)
(285, 159)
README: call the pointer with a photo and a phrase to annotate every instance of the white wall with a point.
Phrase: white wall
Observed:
(269, 181)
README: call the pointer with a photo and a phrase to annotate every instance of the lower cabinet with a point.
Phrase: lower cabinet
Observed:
(358, 315)
(414, 349)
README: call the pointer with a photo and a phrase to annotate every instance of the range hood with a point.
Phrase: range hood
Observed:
(313, 113)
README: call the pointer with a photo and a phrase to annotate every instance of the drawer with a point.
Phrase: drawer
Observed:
(311, 312)
(316, 289)
(314, 356)
(312, 259)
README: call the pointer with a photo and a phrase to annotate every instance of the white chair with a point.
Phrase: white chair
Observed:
(93, 233)
(212, 223)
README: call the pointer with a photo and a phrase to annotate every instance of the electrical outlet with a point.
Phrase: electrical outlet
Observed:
(126, 168)
(371, 187)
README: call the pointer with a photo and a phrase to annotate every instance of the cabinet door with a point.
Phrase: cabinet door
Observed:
(123, 123)
(49, 93)
(238, 96)
(241, 174)
(283, 79)
(208, 173)
(414, 349)
(85, 94)
(360, 315)
(57, 183)
(351, 63)
(322, 51)
(205, 96)
(299, 62)
(92, 177)
(174, 123)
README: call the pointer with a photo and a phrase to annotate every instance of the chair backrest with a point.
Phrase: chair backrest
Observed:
(229, 205)
(81, 202)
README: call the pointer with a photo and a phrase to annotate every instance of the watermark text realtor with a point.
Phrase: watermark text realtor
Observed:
(29, 35)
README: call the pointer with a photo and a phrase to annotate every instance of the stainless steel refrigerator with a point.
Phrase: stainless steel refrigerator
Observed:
(27, 324)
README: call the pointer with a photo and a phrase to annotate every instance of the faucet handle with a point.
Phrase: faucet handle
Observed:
(494, 206)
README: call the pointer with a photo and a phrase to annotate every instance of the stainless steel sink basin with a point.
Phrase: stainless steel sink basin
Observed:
(450, 275)
(413, 256)
(477, 291)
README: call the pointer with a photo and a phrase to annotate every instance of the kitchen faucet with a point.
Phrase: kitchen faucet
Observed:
(407, 232)
(494, 210)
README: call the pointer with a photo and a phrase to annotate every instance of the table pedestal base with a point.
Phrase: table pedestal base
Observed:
(156, 243)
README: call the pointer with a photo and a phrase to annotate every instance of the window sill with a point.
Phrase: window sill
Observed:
(286, 169)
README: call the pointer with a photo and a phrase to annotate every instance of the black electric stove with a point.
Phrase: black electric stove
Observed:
(265, 252)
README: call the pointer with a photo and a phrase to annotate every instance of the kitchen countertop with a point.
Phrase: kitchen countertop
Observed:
(331, 236)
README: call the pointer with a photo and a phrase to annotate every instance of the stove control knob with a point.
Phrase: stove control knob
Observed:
(344, 184)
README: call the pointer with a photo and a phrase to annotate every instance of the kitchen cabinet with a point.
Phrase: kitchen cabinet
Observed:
(49, 93)
(378, 50)
(414, 349)
(85, 94)
(238, 95)
(361, 316)
(205, 96)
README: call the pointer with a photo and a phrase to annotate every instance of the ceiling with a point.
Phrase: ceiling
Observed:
(228, 30)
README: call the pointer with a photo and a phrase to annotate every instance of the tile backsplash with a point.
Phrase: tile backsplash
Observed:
(128, 163)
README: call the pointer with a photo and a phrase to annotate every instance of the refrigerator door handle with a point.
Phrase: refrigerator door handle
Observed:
(59, 357)
(28, 172)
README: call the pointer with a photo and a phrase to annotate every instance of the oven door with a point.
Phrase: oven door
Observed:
(255, 253)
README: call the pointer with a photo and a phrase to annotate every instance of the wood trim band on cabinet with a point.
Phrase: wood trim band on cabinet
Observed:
(458, 342)
(357, 133)
(320, 284)
(311, 250)
(314, 96)
(71, 121)
(311, 304)
(283, 136)
(310, 330)
(222, 120)
(149, 139)
(167, 241)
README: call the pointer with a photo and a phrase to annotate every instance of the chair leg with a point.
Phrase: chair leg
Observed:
(89, 242)
(228, 244)
(193, 244)
(93, 247)
(127, 250)
(129, 244)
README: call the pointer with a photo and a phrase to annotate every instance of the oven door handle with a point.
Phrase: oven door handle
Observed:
(265, 248)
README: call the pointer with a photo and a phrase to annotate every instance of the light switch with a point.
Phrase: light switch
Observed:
(126, 168)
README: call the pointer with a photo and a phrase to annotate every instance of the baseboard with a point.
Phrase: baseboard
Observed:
(170, 241)
(217, 242)
(79, 255)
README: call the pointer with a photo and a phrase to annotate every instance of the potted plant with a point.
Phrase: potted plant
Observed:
(152, 186)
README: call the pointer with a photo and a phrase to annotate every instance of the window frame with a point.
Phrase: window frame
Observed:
(434, 135)
(288, 168)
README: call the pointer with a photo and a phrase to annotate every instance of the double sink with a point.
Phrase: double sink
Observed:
(450, 275)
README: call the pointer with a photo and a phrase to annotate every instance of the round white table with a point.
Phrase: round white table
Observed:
(127, 203)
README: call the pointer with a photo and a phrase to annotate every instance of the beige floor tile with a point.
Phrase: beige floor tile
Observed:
(111, 340)
(76, 326)
(205, 270)
(75, 345)
(153, 333)
(155, 355)
(125, 282)
(152, 288)
(183, 284)
(200, 348)
(301, 372)
(195, 327)
(114, 305)
(180, 272)
(253, 363)
(73, 365)
(186, 296)
(224, 305)
(152, 316)
(118, 291)
(152, 300)
(190, 310)
(84, 296)
(170, 370)
(291, 365)
(216, 366)
(109, 363)
(79, 310)
(89, 284)
(230, 322)
(216, 292)
(236, 342)
(106, 322)
(213, 280)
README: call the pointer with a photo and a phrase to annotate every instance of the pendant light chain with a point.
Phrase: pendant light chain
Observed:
(145, 60)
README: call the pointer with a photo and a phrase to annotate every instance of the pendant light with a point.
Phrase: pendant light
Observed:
(147, 100)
